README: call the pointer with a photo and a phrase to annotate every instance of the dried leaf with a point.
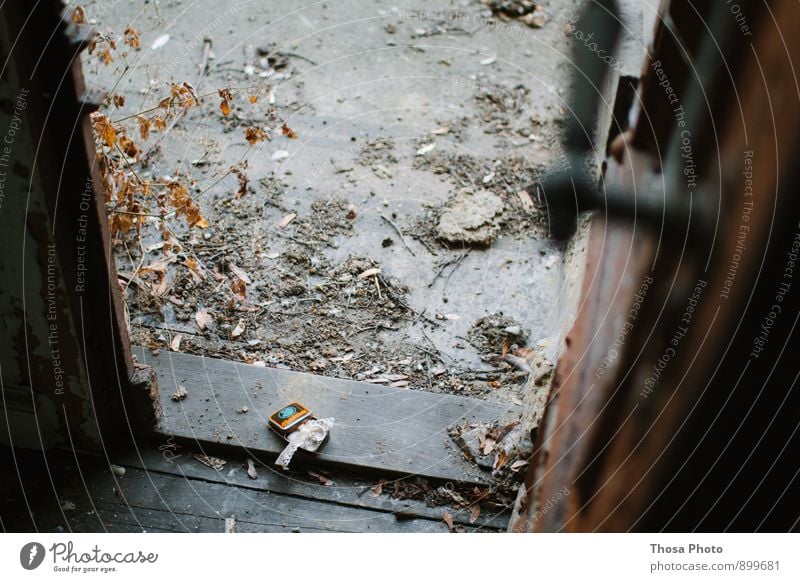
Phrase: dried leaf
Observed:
(211, 462)
(239, 272)
(517, 465)
(370, 273)
(195, 269)
(286, 220)
(251, 469)
(252, 99)
(225, 105)
(321, 478)
(105, 56)
(488, 445)
(378, 489)
(288, 131)
(203, 319)
(103, 128)
(239, 289)
(131, 37)
(475, 513)
(243, 181)
(448, 519)
(239, 329)
(500, 460)
(180, 394)
(175, 344)
(184, 94)
(254, 135)
(119, 100)
(79, 15)
(128, 147)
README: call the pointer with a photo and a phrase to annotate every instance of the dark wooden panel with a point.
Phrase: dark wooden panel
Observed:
(346, 490)
(377, 427)
(173, 502)
(181, 495)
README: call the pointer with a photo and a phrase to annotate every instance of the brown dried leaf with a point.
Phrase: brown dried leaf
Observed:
(370, 273)
(131, 37)
(239, 289)
(79, 15)
(119, 101)
(184, 94)
(105, 56)
(203, 319)
(475, 513)
(321, 478)
(500, 460)
(288, 131)
(195, 269)
(175, 344)
(252, 99)
(128, 147)
(104, 129)
(378, 489)
(211, 462)
(225, 104)
(239, 272)
(239, 171)
(254, 135)
(286, 220)
(448, 519)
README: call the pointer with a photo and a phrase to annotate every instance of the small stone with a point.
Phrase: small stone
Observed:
(470, 218)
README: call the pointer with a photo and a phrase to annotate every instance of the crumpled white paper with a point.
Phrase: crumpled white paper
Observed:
(309, 436)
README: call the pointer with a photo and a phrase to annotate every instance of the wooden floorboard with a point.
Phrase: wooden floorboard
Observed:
(377, 427)
(85, 495)
(344, 489)
(168, 502)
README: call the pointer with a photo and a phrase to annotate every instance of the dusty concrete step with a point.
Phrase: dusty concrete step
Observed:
(378, 428)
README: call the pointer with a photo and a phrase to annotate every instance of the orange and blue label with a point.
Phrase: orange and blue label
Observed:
(289, 417)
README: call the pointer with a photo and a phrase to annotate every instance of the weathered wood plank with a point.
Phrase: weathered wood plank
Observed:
(346, 490)
(155, 501)
(377, 427)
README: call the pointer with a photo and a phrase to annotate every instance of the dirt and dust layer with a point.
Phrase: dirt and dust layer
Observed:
(386, 226)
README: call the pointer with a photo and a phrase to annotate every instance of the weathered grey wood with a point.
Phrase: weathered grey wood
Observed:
(155, 501)
(87, 497)
(346, 490)
(377, 427)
